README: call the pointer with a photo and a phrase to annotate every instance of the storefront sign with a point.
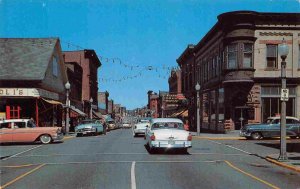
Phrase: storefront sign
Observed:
(28, 92)
(19, 92)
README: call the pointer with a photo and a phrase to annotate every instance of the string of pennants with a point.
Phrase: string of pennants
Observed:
(117, 61)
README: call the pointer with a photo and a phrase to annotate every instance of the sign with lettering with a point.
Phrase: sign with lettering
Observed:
(28, 92)
(284, 95)
(17, 92)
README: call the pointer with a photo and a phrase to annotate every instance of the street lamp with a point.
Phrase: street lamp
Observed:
(91, 110)
(67, 86)
(283, 51)
(197, 87)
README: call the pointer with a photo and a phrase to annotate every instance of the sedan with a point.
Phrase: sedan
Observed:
(140, 128)
(89, 127)
(25, 130)
(271, 128)
(167, 133)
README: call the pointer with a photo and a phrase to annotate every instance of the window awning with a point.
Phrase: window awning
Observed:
(54, 102)
(97, 115)
(72, 108)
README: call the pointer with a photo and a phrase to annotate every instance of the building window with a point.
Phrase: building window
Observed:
(54, 66)
(248, 53)
(232, 56)
(271, 56)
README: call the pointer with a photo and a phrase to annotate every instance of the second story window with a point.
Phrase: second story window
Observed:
(232, 56)
(271, 56)
(247, 55)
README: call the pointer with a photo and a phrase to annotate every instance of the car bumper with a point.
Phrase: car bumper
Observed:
(58, 137)
(171, 144)
(84, 132)
(245, 134)
(139, 131)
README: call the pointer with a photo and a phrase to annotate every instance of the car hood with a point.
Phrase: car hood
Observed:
(90, 125)
(166, 134)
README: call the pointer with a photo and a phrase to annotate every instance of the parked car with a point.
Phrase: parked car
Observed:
(167, 133)
(271, 128)
(111, 125)
(89, 127)
(25, 130)
(140, 128)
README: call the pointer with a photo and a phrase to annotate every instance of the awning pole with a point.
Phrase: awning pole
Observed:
(36, 112)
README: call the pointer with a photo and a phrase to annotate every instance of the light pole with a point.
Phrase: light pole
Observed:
(91, 109)
(283, 51)
(67, 86)
(197, 87)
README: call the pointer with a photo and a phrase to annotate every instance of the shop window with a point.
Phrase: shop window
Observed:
(247, 55)
(232, 56)
(272, 56)
(13, 112)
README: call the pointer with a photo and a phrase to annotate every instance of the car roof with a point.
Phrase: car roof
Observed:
(278, 117)
(13, 120)
(155, 120)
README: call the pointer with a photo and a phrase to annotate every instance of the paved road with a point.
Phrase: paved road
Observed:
(119, 161)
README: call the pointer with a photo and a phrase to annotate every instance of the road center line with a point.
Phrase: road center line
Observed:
(21, 152)
(229, 146)
(21, 176)
(252, 176)
(133, 182)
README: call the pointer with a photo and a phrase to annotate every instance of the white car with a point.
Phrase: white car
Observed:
(140, 128)
(167, 133)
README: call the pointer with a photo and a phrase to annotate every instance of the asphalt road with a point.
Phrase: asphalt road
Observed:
(117, 161)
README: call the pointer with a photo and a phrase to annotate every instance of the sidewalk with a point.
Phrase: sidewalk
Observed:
(293, 162)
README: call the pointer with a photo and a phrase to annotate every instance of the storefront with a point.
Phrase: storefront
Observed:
(25, 103)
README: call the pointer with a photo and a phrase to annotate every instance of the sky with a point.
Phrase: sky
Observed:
(137, 41)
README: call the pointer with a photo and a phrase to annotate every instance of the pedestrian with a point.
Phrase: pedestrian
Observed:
(104, 127)
(186, 125)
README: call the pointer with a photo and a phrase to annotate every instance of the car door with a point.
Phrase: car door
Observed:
(292, 127)
(6, 132)
(274, 128)
(22, 133)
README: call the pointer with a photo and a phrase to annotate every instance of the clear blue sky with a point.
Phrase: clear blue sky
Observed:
(138, 32)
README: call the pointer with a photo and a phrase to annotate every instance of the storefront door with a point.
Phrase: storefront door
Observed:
(13, 112)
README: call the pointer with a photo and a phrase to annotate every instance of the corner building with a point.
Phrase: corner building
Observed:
(239, 69)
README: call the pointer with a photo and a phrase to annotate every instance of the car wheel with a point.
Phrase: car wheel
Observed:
(45, 139)
(134, 135)
(256, 136)
(78, 135)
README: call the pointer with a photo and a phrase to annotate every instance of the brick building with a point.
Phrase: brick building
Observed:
(238, 67)
(89, 62)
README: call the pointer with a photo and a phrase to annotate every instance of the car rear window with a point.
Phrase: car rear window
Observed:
(167, 125)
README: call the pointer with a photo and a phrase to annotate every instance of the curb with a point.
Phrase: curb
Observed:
(272, 160)
(219, 138)
(68, 137)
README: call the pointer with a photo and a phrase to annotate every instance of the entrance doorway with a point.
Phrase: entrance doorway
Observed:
(241, 116)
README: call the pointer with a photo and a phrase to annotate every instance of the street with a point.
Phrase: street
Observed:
(118, 160)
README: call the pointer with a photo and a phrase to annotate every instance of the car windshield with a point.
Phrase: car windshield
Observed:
(167, 125)
(87, 121)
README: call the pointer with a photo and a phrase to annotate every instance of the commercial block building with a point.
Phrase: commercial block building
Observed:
(239, 69)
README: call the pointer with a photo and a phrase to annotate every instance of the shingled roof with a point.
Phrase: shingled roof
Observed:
(25, 58)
